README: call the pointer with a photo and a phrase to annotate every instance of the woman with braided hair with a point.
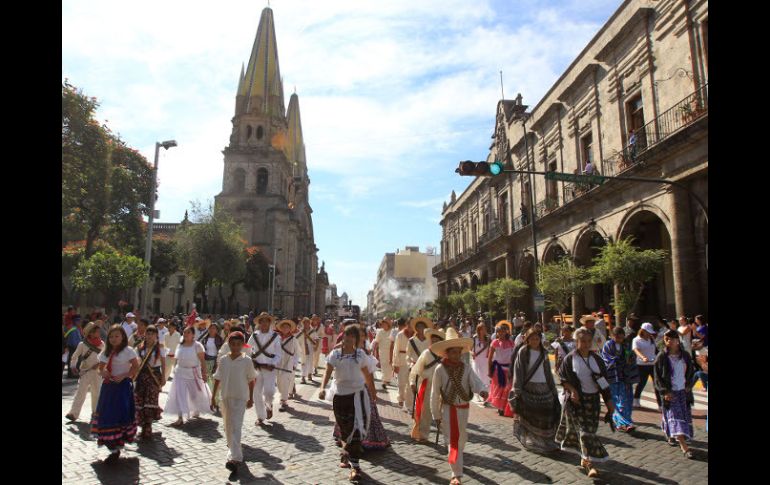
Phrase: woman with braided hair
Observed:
(149, 381)
(454, 384)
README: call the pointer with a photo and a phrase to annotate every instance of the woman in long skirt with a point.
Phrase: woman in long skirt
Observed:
(498, 365)
(189, 393)
(622, 373)
(534, 396)
(673, 375)
(480, 360)
(114, 422)
(584, 377)
(149, 381)
(376, 438)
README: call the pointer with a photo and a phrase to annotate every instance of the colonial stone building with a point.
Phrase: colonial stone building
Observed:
(404, 281)
(633, 103)
(265, 183)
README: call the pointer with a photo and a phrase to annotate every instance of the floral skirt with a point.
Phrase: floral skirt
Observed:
(146, 396)
(114, 422)
(623, 397)
(537, 417)
(577, 429)
(677, 419)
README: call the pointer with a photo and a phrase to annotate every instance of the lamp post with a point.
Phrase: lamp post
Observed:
(148, 246)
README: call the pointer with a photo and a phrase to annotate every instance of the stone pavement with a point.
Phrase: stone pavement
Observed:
(297, 448)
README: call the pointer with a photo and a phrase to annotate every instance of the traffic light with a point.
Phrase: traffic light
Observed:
(479, 169)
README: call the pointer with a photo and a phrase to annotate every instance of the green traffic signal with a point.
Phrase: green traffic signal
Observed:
(479, 169)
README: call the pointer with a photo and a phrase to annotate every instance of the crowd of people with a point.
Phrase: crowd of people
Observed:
(226, 366)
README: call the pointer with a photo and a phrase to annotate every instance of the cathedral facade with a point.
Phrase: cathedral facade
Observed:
(265, 182)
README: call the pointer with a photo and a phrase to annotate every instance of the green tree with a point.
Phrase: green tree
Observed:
(485, 294)
(164, 261)
(441, 306)
(455, 301)
(109, 272)
(211, 251)
(507, 290)
(470, 302)
(559, 281)
(630, 268)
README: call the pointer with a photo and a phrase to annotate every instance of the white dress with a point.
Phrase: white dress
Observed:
(481, 362)
(189, 393)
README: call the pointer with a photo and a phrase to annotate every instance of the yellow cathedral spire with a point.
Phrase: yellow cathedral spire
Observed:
(261, 82)
(295, 148)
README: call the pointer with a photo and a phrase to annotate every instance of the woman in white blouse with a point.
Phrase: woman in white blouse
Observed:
(189, 393)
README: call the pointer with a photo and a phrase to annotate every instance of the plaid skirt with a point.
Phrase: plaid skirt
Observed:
(577, 429)
(537, 417)
(146, 396)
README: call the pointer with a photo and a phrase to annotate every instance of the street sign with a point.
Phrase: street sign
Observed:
(539, 303)
(572, 177)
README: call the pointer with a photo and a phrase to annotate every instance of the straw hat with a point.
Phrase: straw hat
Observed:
(505, 323)
(263, 316)
(432, 331)
(293, 325)
(427, 321)
(89, 328)
(586, 318)
(452, 340)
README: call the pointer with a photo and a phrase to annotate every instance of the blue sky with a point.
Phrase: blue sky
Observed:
(392, 95)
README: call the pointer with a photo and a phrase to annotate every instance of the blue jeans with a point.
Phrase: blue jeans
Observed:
(703, 376)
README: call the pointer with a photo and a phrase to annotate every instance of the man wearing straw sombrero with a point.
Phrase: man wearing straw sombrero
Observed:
(420, 376)
(597, 338)
(454, 384)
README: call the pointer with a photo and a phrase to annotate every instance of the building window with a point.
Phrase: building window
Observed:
(486, 222)
(248, 132)
(504, 212)
(551, 189)
(635, 110)
(585, 150)
(262, 181)
(239, 180)
(260, 132)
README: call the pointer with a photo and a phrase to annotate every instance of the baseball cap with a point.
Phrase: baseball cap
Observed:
(647, 327)
(130, 315)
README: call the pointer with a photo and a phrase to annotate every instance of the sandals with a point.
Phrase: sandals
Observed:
(589, 469)
(688, 454)
(355, 474)
(672, 442)
(455, 481)
(269, 413)
(177, 424)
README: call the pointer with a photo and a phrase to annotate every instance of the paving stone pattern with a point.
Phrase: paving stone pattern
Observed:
(296, 447)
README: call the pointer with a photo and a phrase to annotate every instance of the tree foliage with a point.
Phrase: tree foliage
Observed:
(211, 251)
(630, 268)
(164, 261)
(470, 303)
(559, 281)
(507, 290)
(455, 301)
(109, 271)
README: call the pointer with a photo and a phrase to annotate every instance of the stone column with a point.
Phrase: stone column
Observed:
(509, 265)
(683, 257)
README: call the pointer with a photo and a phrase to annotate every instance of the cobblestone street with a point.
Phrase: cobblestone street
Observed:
(296, 447)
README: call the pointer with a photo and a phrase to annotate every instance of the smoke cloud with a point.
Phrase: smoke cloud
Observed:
(399, 297)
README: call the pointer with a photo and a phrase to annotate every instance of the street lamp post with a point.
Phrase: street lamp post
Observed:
(148, 245)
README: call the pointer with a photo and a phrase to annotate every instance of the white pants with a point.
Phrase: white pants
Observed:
(316, 358)
(404, 390)
(170, 362)
(426, 418)
(462, 422)
(285, 382)
(91, 382)
(386, 368)
(264, 391)
(233, 411)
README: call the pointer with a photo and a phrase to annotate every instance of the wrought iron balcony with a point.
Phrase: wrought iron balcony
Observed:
(495, 231)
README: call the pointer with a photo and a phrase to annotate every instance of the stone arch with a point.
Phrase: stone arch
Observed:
(553, 252)
(651, 231)
(622, 227)
(594, 296)
(587, 230)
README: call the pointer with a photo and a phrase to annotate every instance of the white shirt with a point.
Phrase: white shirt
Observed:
(441, 382)
(153, 361)
(348, 377)
(273, 349)
(234, 376)
(539, 376)
(400, 349)
(677, 373)
(587, 383)
(187, 357)
(421, 345)
(121, 363)
(130, 328)
(383, 339)
(560, 351)
(211, 347)
(647, 349)
(162, 332)
(685, 338)
(171, 341)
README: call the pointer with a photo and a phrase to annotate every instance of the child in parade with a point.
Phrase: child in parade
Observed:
(289, 358)
(420, 378)
(453, 386)
(498, 369)
(189, 393)
(351, 400)
(149, 381)
(265, 346)
(84, 363)
(234, 378)
(114, 422)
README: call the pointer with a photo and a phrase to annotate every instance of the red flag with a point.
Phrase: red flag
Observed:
(191, 319)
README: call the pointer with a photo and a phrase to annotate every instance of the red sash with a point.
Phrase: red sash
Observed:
(420, 399)
(454, 432)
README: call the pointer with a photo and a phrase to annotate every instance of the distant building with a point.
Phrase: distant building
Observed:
(404, 281)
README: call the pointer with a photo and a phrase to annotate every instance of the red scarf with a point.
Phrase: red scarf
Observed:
(95, 340)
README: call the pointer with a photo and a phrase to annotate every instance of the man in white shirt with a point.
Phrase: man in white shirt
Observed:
(598, 339)
(265, 346)
(383, 348)
(162, 330)
(400, 366)
(129, 325)
(171, 342)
